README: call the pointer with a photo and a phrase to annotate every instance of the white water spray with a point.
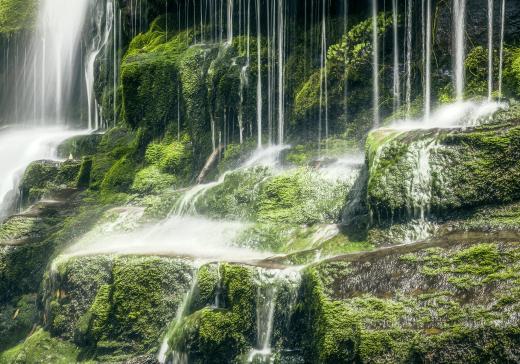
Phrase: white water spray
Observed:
(18, 148)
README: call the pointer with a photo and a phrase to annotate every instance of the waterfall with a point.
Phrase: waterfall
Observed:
(98, 42)
(182, 311)
(270, 287)
(52, 62)
(259, 76)
(427, 73)
(375, 64)
(230, 21)
(409, 57)
(397, 81)
(281, 70)
(345, 55)
(323, 81)
(459, 21)
(490, 49)
(502, 26)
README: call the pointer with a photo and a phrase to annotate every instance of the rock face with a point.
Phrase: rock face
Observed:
(451, 304)
(414, 174)
(345, 281)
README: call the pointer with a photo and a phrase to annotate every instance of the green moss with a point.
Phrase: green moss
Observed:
(79, 146)
(16, 15)
(151, 180)
(219, 335)
(41, 347)
(17, 319)
(120, 176)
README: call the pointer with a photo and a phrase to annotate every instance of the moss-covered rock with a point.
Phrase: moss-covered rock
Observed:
(79, 146)
(445, 303)
(41, 347)
(115, 307)
(414, 173)
(17, 319)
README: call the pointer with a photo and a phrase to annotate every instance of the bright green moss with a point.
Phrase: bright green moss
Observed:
(16, 15)
(41, 347)
(151, 180)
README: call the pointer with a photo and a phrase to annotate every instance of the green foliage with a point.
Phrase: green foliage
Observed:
(151, 180)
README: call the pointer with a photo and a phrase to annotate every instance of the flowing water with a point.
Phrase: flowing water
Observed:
(53, 61)
(375, 64)
(501, 51)
(490, 49)
(396, 75)
(409, 23)
(18, 148)
(103, 20)
(428, 61)
(270, 283)
(459, 23)
(457, 115)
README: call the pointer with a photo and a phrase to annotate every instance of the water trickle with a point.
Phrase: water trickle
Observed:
(259, 76)
(409, 57)
(459, 23)
(281, 70)
(323, 102)
(396, 75)
(103, 19)
(165, 351)
(270, 283)
(490, 49)
(375, 64)
(501, 61)
(428, 61)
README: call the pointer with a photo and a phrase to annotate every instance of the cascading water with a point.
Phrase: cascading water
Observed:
(501, 55)
(375, 64)
(270, 282)
(427, 72)
(54, 59)
(490, 49)
(51, 90)
(323, 113)
(18, 148)
(103, 24)
(409, 56)
(396, 75)
(459, 22)
(259, 77)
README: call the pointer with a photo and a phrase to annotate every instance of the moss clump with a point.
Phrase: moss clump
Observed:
(17, 319)
(224, 334)
(423, 171)
(17, 15)
(329, 332)
(151, 180)
(116, 144)
(80, 146)
(41, 347)
(117, 307)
